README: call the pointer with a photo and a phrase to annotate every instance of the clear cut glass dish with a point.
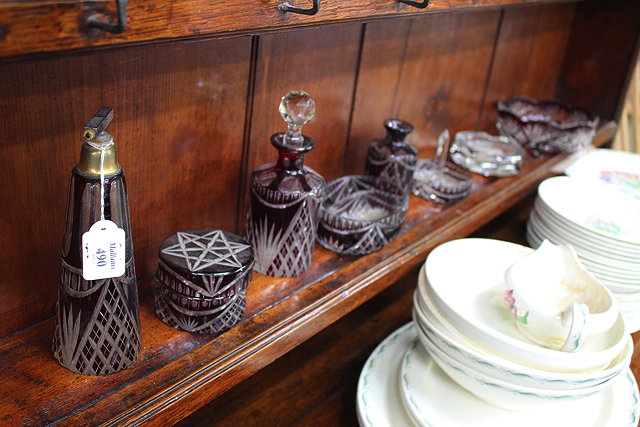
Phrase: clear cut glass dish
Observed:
(360, 214)
(486, 154)
(545, 127)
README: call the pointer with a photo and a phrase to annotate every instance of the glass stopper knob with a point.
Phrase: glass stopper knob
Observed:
(442, 151)
(297, 108)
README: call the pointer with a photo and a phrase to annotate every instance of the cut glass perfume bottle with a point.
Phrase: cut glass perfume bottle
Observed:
(393, 158)
(285, 196)
(97, 324)
(439, 180)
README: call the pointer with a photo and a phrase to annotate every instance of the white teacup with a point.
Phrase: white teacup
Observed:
(556, 302)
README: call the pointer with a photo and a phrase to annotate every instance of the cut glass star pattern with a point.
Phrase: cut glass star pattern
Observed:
(200, 252)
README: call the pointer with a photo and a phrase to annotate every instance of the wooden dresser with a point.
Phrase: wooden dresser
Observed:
(195, 87)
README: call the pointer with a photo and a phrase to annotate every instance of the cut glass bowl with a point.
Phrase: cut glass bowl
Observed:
(545, 127)
(360, 214)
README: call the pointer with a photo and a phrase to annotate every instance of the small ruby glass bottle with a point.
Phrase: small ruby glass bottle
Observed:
(393, 158)
(282, 222)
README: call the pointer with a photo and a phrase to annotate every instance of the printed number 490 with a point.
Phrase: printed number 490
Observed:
(101, 257)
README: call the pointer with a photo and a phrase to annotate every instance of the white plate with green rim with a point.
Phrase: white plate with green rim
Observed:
(600, 261)
(435, 400)
(583, 236)
(377, 399)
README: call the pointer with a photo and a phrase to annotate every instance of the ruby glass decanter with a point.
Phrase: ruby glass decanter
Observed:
(393, 158)
(282, 221)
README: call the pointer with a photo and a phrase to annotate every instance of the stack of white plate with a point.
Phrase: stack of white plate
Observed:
(463, 362)
(602, 225)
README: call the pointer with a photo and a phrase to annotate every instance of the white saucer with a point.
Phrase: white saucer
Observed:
(434, 400)
(613, 273)
(377, 399)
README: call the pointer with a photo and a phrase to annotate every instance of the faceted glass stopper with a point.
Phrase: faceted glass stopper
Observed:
(442, 150)
(297, 108)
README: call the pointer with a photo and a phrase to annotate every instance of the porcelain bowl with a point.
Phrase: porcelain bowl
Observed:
(432, 326)
(465, 281)
(509, 396)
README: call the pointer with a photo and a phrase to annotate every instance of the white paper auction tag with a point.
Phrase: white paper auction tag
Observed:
(103, 251)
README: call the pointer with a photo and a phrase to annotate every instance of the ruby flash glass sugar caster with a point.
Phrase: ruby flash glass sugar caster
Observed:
(97, 328)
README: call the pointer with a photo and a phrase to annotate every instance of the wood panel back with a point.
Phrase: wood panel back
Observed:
(430, 71)
(178, 128)
(528, 56)
(601, 50)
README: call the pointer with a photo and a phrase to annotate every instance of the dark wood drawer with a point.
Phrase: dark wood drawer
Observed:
(44, 26)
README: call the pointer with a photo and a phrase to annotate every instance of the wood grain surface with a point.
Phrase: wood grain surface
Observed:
(601, 49)
(381, 62)
(419, 72)
(317, 381)
(528, 56)
(45, 26)
(320, 61)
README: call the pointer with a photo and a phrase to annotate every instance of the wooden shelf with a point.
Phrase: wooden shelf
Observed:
(178, 372)
(437, 70)
(28, 27)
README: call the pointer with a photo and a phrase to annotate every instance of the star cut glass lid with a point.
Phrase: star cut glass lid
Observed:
(206, 252)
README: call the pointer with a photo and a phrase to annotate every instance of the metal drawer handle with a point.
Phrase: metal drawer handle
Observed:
(121, 21)
(418, 4)
(286, 7)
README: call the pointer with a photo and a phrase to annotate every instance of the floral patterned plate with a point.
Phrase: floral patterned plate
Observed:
(611, 215)
(619, 169)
